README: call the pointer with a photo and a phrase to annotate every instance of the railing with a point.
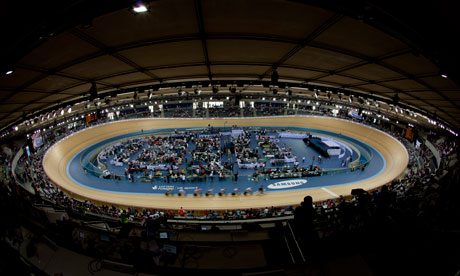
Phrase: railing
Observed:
(15, 161)
(437, 157)
(86, 160)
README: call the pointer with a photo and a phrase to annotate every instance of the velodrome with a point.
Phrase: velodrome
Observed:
(56, 160)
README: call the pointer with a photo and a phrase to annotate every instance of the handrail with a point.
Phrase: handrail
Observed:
(435, 152)
(16, 158)
(231, 221)
(296, 243)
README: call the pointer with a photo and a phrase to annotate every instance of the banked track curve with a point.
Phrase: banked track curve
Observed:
(59, 155)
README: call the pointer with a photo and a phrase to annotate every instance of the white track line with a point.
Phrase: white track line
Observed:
(329, 192)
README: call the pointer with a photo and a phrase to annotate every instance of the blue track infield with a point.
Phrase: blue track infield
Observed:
(375, 167)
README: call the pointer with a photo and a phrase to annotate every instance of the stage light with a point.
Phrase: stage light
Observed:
(9, 72)
(444, 76)
(140, 8)
(69, 110)
(149, 95)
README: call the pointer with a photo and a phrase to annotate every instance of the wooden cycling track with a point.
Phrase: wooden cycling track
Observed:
(58, 156)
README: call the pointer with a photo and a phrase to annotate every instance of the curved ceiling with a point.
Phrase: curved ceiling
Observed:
(180, 40)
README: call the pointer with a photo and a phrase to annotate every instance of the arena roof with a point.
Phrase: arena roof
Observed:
(58, 49)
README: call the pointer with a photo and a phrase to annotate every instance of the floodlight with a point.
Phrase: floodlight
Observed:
(140, 8)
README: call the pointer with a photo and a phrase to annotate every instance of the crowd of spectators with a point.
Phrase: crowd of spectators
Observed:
(33, 173)
(425, 197)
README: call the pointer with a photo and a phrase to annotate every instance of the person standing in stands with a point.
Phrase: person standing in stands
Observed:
(304, 216)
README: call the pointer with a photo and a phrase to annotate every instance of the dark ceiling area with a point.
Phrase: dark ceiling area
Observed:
(57, 49)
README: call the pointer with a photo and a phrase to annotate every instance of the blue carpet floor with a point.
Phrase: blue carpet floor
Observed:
(299, 148)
